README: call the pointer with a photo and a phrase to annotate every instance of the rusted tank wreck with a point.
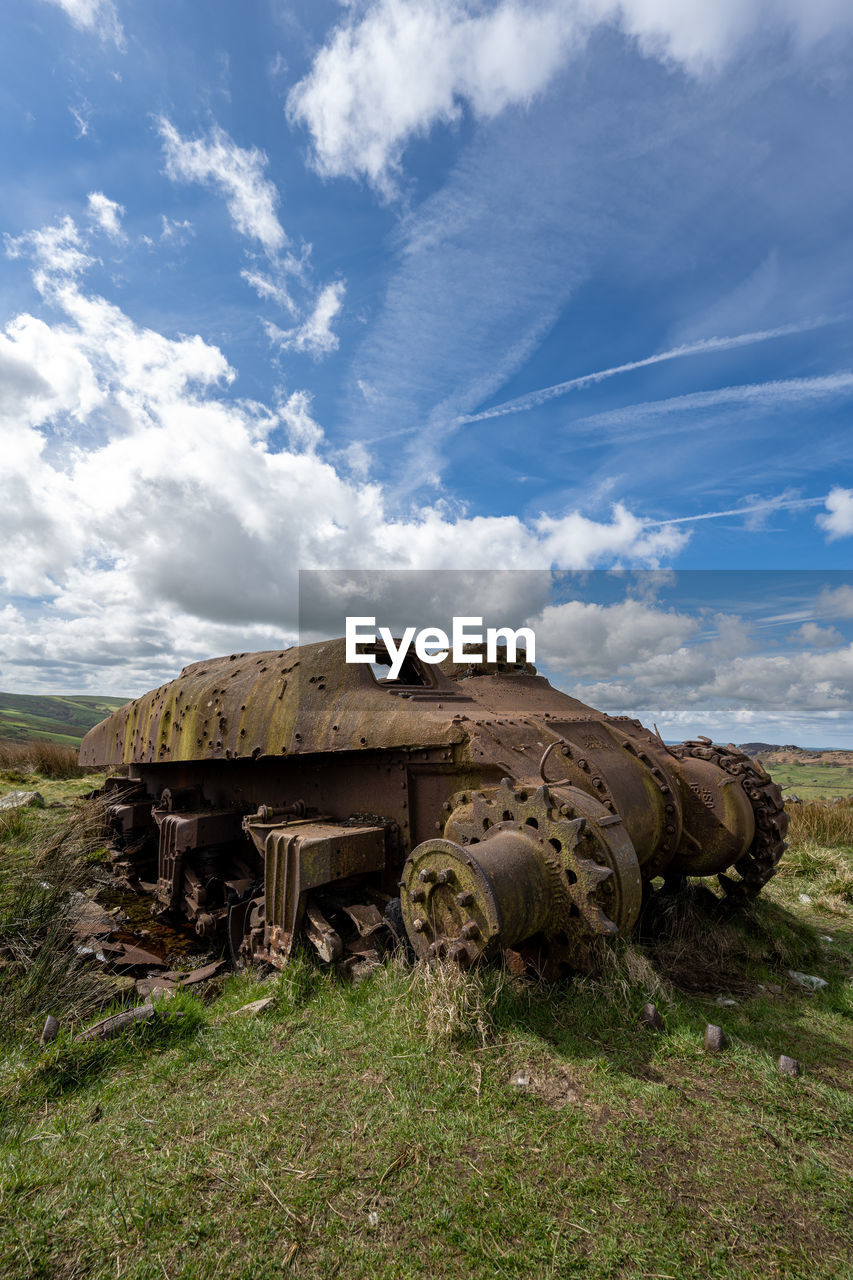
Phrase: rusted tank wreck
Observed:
(279, 795)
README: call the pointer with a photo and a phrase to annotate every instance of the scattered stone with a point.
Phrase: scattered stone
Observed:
(774, 988)
(791, 799)
(651, 1018)
(805, 899)
(824, 937)
(715, 1038)
(22, 800)
(788, 1066)
(808, 981)
(520, 1082)
(373, 1220)
(725, 1002)
(253, 1007)
(50, 1030)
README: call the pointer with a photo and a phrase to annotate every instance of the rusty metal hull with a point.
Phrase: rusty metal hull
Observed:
(551, 819)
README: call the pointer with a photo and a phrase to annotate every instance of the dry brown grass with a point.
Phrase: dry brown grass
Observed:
(42, 866)
(48, 759)
(454, 1006)
(622, 971)
(825, 872)
(827, 825)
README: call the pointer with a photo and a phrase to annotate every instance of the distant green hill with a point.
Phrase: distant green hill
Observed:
(58, 719)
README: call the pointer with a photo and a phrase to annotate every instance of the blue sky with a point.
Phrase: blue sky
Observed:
(421, 284)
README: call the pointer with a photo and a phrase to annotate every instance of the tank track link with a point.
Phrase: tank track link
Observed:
(759, 863)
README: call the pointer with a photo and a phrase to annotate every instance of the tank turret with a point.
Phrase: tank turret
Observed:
(277, 795)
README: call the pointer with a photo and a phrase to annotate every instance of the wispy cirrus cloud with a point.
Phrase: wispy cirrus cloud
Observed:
(315, 334)
(238, 173)
(58, 251)
(269, 288)
(106, 214)
(98, 16)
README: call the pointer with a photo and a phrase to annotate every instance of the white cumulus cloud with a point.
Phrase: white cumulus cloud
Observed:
(171, 521)
(815, 637)
(595, 640)
(836, 602)
(837, 520)
(390, 72)
(407, 64)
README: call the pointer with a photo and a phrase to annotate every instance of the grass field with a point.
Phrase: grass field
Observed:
(814, 781)
(432, 1124)
(56, 719)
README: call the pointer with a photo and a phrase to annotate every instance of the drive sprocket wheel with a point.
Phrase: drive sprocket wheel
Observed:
(759, 863)
(595, 886)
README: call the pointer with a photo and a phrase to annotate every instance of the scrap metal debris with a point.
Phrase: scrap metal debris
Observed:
(808, 981)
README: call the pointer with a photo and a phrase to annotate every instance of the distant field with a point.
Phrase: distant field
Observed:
(813, 781)
(58, 719)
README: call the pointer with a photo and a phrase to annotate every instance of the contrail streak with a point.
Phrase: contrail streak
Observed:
(770, 505)
(535, 398)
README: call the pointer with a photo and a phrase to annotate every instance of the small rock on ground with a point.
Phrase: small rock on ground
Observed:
(50, 1030)
(22, 800)
(253, 1007)
(788, 1066)
(651, 1017)
(715, 1038)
